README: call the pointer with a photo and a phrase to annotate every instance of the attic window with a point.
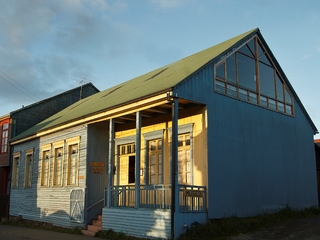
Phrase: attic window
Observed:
(158, 73)
(250, 75)
(112, 91)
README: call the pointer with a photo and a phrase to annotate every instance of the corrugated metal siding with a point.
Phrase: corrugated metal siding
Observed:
(259, 160)
(47, 204)
(97, 152)
(138, 222)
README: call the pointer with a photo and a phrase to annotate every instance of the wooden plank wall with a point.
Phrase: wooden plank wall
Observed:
(47, 204)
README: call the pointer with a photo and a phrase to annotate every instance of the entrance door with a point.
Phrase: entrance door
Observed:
(131, 169)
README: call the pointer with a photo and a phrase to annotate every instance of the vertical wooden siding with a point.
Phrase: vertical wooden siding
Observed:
(258, 160)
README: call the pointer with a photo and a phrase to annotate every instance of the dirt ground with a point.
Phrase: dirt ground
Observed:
(300, 229)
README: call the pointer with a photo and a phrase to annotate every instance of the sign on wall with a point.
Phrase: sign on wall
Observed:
(97, 167)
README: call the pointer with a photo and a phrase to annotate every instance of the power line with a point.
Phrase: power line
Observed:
(24, 92)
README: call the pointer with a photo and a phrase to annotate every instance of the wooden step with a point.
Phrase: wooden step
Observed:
(88, 233)
(97, 223)
(94, 228)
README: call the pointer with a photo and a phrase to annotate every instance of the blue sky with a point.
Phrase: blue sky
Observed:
(48, 47)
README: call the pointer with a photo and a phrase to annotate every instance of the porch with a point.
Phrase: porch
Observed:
(156, 183)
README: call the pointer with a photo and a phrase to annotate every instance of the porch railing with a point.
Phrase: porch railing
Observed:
(191, 198)
(155, 196)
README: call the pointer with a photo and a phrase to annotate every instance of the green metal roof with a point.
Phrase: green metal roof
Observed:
(156, 81)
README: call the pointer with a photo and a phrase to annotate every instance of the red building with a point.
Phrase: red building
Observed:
(5, 126)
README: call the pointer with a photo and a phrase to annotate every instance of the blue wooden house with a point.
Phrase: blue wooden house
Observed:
(219, 133)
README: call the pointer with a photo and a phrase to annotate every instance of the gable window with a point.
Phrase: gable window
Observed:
(58, 163)
(4, 138)
(15, 170)
(28, 169)
(45, 167)
(250, 75)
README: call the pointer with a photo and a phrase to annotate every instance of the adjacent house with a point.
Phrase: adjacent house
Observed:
(5, 123)
(22, 119)
(219, 133)
(317, 151)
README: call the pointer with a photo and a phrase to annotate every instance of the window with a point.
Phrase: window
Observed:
(128, 148)
(15, 170)
(250, 75)
(57, 166)
(73, 164)
(155, 162)
(45, 175)
(73, 155)
(58, 159)
(184, 159)
(185, 153)
(28, 169)
(4, 137)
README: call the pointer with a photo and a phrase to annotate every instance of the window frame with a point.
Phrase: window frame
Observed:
(57, 146)
(75, 141)
(184, 129)
(45, 149)
(151, 136)
(16, 170)
(223, 86)
(4, 139)
(28, 170)
(184, 161)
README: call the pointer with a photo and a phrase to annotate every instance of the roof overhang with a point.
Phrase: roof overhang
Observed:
(150, 107)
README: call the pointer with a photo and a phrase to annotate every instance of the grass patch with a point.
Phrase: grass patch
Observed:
(214, 229)
(40, 225)
(227, 227)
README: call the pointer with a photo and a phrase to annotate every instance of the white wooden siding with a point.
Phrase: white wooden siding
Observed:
(48, 204)
(138, 222)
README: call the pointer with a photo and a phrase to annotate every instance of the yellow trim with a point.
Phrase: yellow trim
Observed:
(46, 147)
(58, 144)
(74, 140)
(16, 154)
(29, 151)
